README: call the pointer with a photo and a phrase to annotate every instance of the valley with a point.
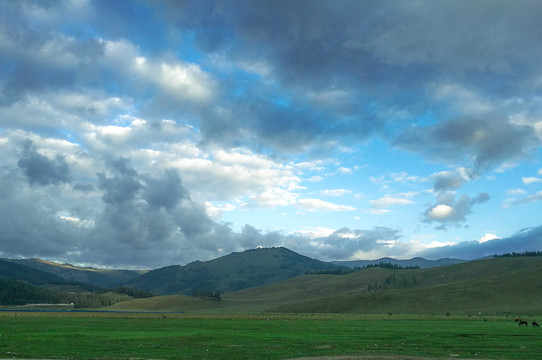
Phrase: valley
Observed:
(278, 280)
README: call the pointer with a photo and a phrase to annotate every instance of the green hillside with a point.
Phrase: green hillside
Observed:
(497, 285)
(229, 273)
(71, 273)
(10, 270)
(501, 285)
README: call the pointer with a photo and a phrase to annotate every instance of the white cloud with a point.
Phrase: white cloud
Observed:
(315, 232)
(173, 78)
(516, 191)
(396, 177)
(488, 237)
(314, 205)
(389, 201)
(528, 199)
(344, 170)
(376, 211)
(215, 211)
(531, 180)
(441, 212)
(335, 192)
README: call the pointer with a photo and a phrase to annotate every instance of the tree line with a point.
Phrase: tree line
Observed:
(13, 292)
(517, 254)
(16, 292)
(344, 271)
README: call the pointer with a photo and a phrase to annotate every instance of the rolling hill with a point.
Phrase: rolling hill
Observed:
(229, 273)
(496, 285)
(500, 285)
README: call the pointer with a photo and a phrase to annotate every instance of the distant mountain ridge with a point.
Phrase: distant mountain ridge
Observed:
(417, 261)
(71, 273)
(236, 271)
(15, 271)
(231, 272)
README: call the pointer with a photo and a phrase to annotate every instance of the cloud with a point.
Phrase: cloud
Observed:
(441, 212)
(525, 200)
(335, 192)
(321, 205)
(529, 239)
(484, 143)
(389, 201)
(449, 210)
(345, 243)
(450, 180)
(41, 170)
(488, 237)
(125, 126)
(396, 177)
(516, 191)
(531, 180)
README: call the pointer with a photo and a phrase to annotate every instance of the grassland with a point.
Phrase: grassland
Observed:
(261, 336)
(494, 286)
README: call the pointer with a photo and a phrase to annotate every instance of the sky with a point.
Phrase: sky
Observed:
(140, 134)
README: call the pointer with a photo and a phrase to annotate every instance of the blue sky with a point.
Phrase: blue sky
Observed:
(140, 134)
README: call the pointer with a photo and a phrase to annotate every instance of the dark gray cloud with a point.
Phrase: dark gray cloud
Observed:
(526, 240)
(41, 170)
(28, 222)
(165, 192)
(451, 180)
(482, 143)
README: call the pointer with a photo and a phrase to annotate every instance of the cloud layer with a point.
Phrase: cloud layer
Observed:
(146, 133)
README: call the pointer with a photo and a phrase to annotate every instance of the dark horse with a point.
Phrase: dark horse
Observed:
(521, 322)
(535, 324)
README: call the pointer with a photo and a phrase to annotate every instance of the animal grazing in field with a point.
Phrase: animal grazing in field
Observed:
(535, 324)
(521, 322)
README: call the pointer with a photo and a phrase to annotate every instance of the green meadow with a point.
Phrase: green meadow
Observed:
(261, 336)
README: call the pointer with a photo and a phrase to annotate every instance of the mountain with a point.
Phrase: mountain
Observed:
(503, 286)
(229, 273)
(71, 273)
(14, 271)
(414, 262)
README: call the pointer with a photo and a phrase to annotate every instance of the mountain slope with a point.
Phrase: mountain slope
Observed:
(70, 273)
(14, 271)
(502, 285)
(229, 273)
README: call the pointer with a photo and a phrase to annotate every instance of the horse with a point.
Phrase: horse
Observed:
(535, 324)
(521, 322)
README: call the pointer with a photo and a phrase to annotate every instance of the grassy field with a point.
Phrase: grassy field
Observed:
(494, 286)
(261, 336)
